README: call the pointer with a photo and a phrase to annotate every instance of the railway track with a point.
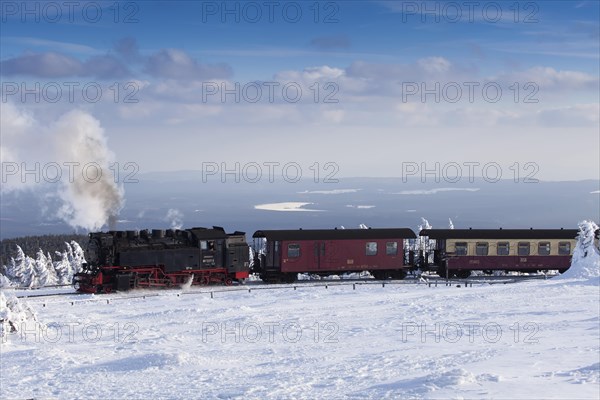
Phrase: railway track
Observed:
(429, 280)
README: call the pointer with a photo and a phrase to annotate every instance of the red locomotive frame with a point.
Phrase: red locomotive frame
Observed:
(151, 277)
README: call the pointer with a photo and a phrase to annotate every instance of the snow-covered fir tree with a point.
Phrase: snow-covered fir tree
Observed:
(10, 270)
(62, 266)
(51, 270)
(4, 281)
(423, 242)
(587, 239)
(13, 315)
(43, 275)
(25, 271)
(585, 262)
(78, 257)
(20, 269)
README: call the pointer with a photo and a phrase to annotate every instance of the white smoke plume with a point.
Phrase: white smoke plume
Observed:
(89, 196)
(93, 199)
(175, 217)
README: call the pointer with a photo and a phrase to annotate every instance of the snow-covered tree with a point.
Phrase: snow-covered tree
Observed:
(585, 262)
(423, 242)
(28, 278)
(13, 313)
(62, 266)
(11, 270)
(52, 278)
(78, 257)
(20, 269)
(24, 271)
(4, 281)
(586, 240)
(425, 224)
(44, 276)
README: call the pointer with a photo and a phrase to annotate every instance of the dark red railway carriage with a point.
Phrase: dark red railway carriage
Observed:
(457, 252)
(332, 251)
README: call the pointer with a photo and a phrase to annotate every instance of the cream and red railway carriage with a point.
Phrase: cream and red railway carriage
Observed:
(457, 252)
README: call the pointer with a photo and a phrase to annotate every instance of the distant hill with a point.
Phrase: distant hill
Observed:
(376, 202)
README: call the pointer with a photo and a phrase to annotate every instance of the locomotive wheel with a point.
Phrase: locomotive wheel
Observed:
(228, 282)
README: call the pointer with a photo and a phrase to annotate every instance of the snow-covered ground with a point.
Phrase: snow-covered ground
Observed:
(535, 339)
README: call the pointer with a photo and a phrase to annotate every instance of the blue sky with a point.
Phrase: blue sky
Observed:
(368, 50)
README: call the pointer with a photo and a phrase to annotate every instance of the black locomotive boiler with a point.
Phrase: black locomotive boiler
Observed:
(123, 260)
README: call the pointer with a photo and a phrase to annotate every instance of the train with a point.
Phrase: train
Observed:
(124, 260)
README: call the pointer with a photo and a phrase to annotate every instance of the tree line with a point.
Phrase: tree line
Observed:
(31, 244)
(44, 269)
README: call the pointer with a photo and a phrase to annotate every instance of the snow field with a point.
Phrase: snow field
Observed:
(528, 340)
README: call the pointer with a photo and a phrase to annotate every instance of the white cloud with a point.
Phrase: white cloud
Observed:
(548, 78)
(177, 64)
(576, 115)
(434, 64)
(335, 116)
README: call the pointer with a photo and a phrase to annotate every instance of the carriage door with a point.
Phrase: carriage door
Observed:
(273, 254)
(319, 254)
(332, 259)
(325, 255)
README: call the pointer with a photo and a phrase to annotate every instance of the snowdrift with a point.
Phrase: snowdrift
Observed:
(585, 263)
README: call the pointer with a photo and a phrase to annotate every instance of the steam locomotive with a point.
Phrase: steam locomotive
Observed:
(123, 260)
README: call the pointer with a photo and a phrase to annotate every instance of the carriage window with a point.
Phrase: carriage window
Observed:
(371, 249)
(564, 248)
(544, 248)
(391, 248)
(461, 248)
(523, 248)
(203, 245)
(293, 250)
(503, 249)
(481, 249)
